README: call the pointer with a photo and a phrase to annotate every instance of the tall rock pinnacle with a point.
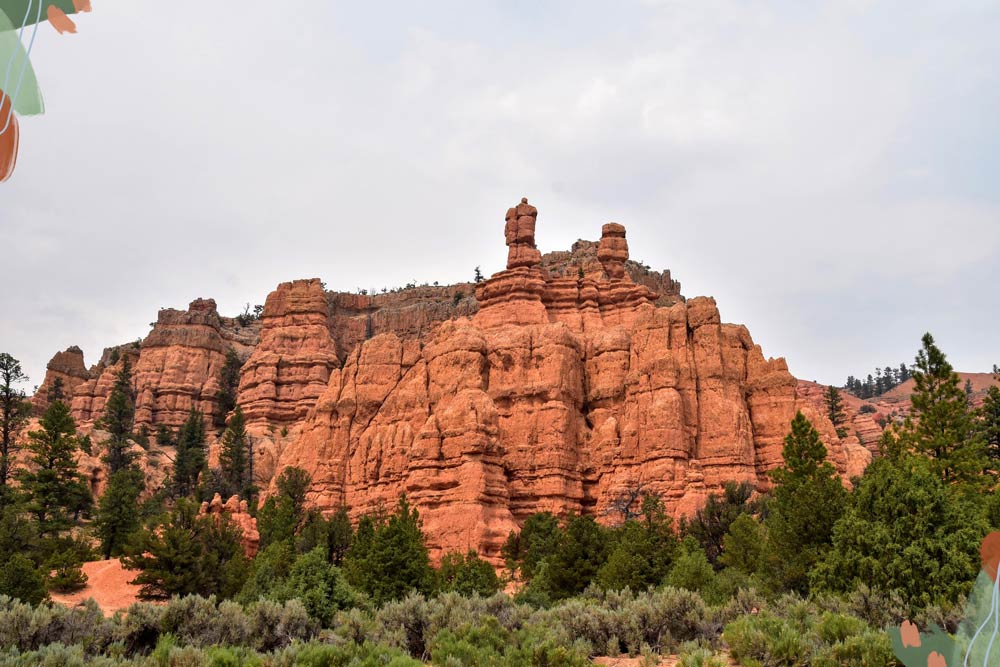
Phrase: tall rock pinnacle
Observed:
(520, 233)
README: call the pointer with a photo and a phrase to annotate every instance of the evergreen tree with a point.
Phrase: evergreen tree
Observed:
(229, 382)
(388, 558)
(55, 489)
(581, 551)
(57, 392)
(808, 500)
(478, 276)
(835, 410)
(940, 425)
(905, 531)
(968, 393)
(190, 457)
(691, 569)
(20, 579)
(641, 550)
(904, 373)
(283, 514)
(14, 411)
(988, 424)
(118, 420)
(117, 516)
(743, 545)
(537, 539)
(236, 457)
(466, 574)
(190, 554)
(712, 521)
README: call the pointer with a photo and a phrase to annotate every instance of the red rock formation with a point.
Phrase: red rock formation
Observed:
(66, 366)
(291, 366)
(236, 511)
(559, 394)
(178, 365)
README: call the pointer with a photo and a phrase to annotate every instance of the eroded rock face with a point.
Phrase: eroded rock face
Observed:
(179, 364)
(291, 366)
(560, 394)
(236, 511)
(66, 367)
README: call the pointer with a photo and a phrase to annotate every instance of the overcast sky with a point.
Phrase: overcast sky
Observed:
(828, 171)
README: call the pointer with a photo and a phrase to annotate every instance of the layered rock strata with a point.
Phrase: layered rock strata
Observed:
(562, 393)
(65, 368)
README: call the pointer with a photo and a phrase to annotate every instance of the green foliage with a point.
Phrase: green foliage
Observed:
(988, 423)
(743, 545)
(20, 579)
(229, 382)
(283, 514)
(190, 457)
(14, 412)
(905, 531)
(835, 410)
(118, 420)
(940, 425)
(189, 554)
(236, 458)
(65, 573)
(117, 517)
(807, 638)
(641, 550)
(691, 569)
(808, 500)
(537, 539)
(711, 523)
(55, 491)
(466, 574)
(388, 558)
(580, 552)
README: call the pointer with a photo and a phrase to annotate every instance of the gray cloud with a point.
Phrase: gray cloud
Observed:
(826, 170)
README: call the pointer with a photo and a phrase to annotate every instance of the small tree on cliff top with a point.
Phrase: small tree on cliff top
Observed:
(835, 410)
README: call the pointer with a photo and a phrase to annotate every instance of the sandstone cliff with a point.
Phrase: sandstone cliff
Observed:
(560, 383)
(562, 392)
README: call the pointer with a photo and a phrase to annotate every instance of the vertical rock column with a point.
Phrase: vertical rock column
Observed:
(520, 234)
(612, 252)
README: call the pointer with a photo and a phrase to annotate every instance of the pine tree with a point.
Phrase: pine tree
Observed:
(808, 500)
(189, 554)
(904, 373)
(988, 423)
(388, 558)
(118, 511)
(57, 392)
(118, 420)
(478, 276)
(466, 574)
(236, 457)
(14, 411)
(642, 550)
(940, 425)
(229, 382)
(54, 487)
(190, 456)
(835, 410)
(283, 514)
(905, 531)
(712, 522)
(968, 393)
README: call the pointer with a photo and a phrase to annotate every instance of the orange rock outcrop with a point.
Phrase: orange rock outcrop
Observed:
(559, 394)
(236, 511)
(66, 367)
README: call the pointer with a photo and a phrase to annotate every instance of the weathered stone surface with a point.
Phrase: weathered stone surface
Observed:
(236, 511)
(560, 394)
(178, 366)
(520, 235)
(66, 366)
(291, 366)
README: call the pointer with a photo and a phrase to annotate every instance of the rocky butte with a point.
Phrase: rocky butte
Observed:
(561, 383)
(566, 389)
